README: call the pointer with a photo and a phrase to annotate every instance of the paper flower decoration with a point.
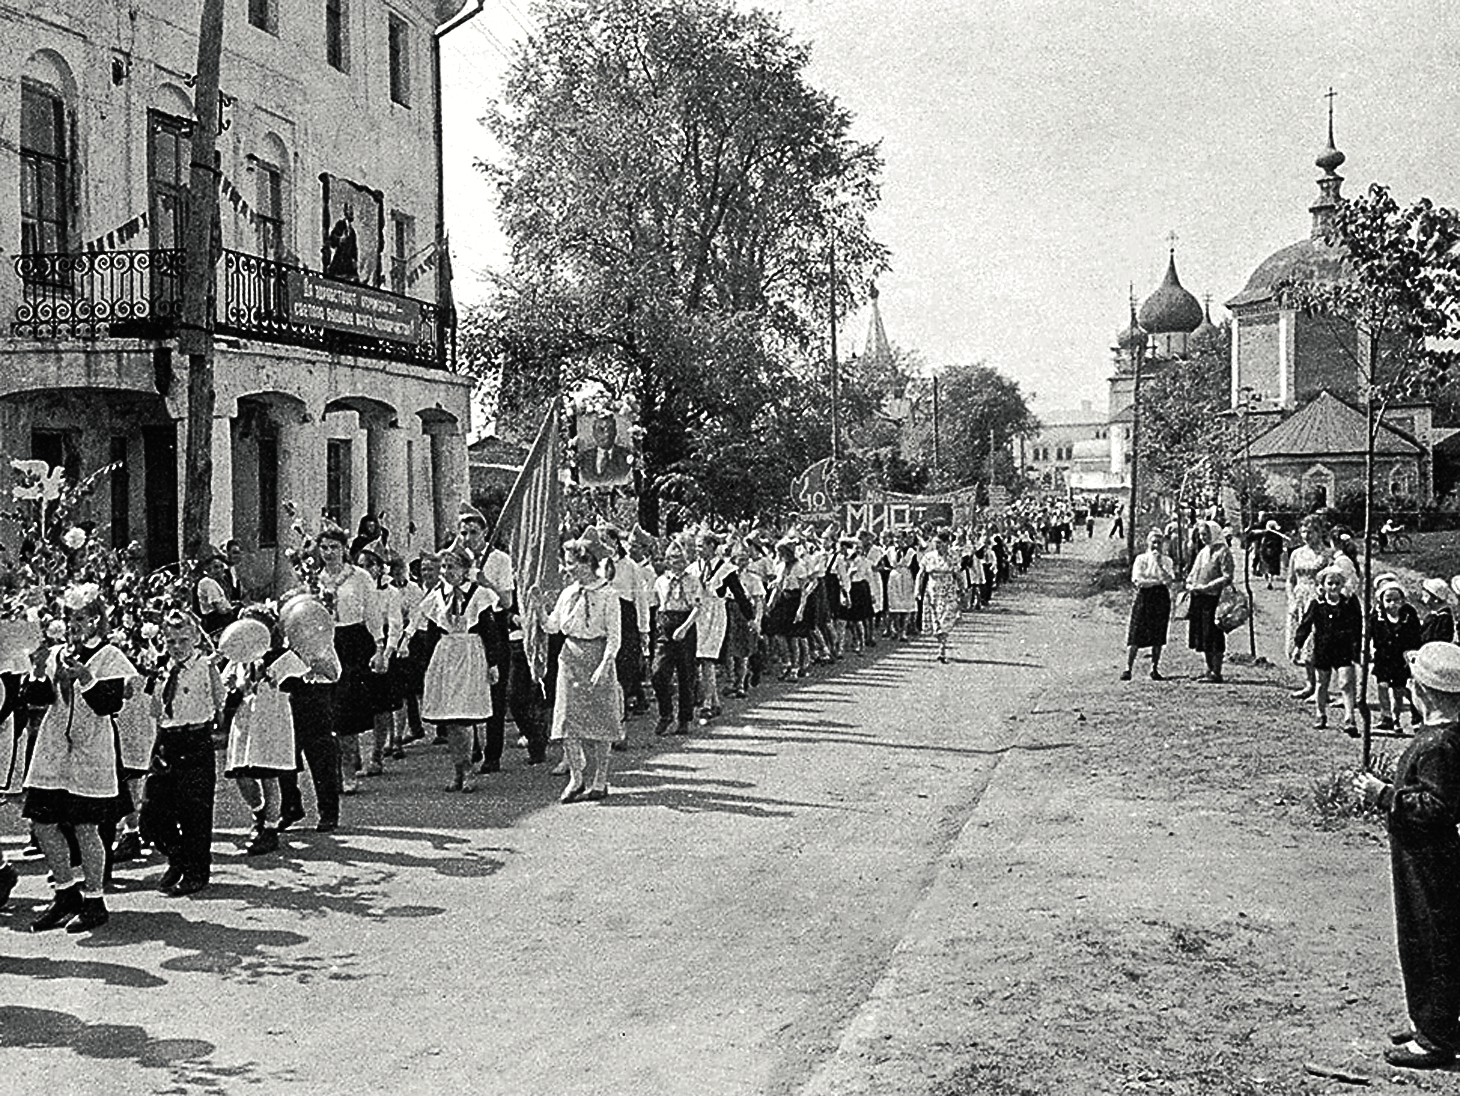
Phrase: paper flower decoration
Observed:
(39, 480)
(81, 595)
(74, 538)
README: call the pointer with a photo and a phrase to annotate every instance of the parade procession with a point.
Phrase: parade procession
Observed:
(728, 548)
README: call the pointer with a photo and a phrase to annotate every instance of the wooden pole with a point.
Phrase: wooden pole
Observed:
(836, 384)
(195, 334)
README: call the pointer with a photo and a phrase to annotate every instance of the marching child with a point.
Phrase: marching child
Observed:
(1395, 629)
(464, 645)
(177, 813)
(72, 782)
(261, 739)
(1336, 623)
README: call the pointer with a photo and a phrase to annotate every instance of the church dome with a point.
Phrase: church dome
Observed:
(1306, 260)
(1170, 309)
(1132, 338)
(1207, 334)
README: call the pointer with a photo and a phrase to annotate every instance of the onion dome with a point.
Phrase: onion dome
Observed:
(1132, 338)
(1206, 333)
(1171, 309)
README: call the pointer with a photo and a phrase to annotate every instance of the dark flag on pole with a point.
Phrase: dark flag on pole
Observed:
(529, 525)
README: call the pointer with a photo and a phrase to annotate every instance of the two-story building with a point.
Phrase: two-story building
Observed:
(334, 334)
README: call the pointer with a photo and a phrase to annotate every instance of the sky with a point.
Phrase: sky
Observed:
(1039, 154)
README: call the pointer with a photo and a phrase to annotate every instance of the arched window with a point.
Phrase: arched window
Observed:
(271, 169)
(47, 169)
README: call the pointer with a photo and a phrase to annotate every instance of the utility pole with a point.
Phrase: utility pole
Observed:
(195, 334)
(1137, 353)
(836, 383)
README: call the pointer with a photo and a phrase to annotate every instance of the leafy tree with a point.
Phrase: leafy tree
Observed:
(1187, 442)
(978, 408)
(1395, 313)
(671, 185)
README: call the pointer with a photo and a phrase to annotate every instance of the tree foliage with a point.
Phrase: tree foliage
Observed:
(670, 185)
(980, 411)
(1186, 439)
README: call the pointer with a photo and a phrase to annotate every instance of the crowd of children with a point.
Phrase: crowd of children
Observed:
(116, 760)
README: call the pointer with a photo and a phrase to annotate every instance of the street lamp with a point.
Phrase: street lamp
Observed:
(1244, 411)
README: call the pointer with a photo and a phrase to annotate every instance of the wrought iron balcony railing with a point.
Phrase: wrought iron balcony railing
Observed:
(122, 294)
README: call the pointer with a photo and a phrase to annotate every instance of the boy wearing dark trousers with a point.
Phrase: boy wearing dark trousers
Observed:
(177, 813)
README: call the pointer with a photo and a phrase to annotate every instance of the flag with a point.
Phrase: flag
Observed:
(812, 489)
(529, 525)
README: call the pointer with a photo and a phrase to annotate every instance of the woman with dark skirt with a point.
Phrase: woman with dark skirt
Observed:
(351, 594)
(1151, 574)
(1211, 572)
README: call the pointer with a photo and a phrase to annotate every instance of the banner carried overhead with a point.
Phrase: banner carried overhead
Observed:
(882, 517)
(812, 489)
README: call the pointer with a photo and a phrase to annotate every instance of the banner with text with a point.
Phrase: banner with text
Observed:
(317, 301)
(880, 517)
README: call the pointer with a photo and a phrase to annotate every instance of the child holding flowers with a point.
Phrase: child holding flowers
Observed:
(72, 780)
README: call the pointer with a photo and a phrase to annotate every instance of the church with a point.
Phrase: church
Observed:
(1302, 377)
(1298, 377)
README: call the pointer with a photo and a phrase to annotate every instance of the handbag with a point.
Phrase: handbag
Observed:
(1181, 607)
(1232, 610)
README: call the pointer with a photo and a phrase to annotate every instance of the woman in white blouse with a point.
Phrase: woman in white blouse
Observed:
(1151, 574)
(350, 593)
(587, 712)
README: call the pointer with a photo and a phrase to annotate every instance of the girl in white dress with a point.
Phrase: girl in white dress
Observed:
(73, 779)
(261, 737)
(458, 620)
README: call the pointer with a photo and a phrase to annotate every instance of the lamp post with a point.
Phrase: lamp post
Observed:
(1244, 409)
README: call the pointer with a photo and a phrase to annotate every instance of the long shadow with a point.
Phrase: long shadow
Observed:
(895, 744)
(995, 662)
(110, 974)
(184, 1060)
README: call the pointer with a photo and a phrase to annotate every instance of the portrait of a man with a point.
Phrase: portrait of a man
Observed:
(604, 459)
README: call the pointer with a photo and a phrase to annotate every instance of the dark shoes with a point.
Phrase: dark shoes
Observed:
(326, 825)
(185, 886)
(662, 728)
(170, 878)
(265, 840)
(8, 878)
(489, 767)
(65, 905)
(92, 916)
(288, 818)
(593, 795)
(1157, 675)
(1419, 1058)
(128, 847)
(1125, 675)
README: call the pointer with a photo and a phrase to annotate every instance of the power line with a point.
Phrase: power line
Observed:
(514, 12)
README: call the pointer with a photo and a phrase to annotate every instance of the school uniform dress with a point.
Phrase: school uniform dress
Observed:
(1438, 627)
(261, 738)
(496, 571)
(902, 595)
(861, 575)
(588, 619)
(787, 593)
(73, 775)
(459, 625)
(1303, 567)
(739, 636)
(177, 809)
(354, 599)
(712, 622)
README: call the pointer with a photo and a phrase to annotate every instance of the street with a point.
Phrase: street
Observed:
(711, 928)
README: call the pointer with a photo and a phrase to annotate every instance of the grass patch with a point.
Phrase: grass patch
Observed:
(1434, 554)
(1332, 802)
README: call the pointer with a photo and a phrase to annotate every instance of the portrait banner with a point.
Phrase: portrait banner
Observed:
(603, 450)
(354, 231)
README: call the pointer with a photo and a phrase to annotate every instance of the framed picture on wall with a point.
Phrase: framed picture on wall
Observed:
(354, 231)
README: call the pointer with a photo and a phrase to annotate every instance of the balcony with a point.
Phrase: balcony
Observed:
(138, 294)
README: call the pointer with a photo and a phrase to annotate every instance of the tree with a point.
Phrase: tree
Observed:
(1395, 314)
(980, 412)
(670, 185)
(1186, 438)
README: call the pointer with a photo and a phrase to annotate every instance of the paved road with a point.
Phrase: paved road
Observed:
(718, 926)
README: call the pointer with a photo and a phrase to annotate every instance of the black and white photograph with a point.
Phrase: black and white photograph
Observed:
(729, 548)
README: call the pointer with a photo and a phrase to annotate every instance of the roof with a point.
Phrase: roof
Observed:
(1328, 426)
(1080, 417)
(1308, 259)
(1125, 414)
(1170, 309)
